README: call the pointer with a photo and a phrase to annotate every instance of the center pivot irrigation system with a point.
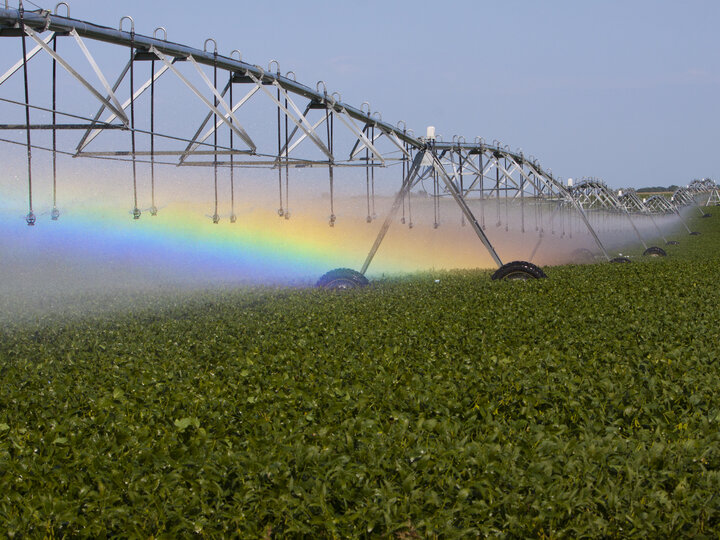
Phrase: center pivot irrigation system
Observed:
(297, 127)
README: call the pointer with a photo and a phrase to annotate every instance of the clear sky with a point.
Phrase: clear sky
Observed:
(623, 90)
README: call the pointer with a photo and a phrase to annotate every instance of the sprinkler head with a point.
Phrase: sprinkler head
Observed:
(54, 213)
(136, 213)
(30, 219)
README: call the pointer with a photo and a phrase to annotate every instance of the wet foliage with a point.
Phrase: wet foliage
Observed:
(581, 405)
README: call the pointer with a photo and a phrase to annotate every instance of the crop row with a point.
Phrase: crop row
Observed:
(585, 404)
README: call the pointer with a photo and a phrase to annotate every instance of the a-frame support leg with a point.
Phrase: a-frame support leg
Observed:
(460, 200)
(407, 184)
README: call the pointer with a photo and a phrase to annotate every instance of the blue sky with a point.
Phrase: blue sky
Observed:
(626, 91)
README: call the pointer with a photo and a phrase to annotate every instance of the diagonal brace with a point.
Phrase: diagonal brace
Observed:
(196, 142)
(100, 76)
(300, 121)
(10, 72)
(231, 124)
(460, 200)
(348, 121)
(111, 117)
(407, 185)
(30, 32)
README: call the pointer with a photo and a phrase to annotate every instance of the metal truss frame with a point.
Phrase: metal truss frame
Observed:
(459, 169)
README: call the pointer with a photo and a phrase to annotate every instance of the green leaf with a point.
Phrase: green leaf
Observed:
(184, 423)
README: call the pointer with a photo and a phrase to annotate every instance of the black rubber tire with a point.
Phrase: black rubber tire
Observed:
(582, 256)
(520, 270)
(620, 260)
(707, 215)
(654, 251)
(342, 279)
(695, 233)
(672, 243)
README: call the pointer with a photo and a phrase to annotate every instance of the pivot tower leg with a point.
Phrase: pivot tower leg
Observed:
(407, 184)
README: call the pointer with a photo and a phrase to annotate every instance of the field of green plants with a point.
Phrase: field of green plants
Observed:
(585, 404)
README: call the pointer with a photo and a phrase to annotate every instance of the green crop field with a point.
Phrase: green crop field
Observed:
(585, 404)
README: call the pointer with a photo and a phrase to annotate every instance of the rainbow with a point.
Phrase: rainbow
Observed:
(182, 244)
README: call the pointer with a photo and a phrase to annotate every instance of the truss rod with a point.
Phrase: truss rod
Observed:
(77, 76)
(99, 73)
(10, 72)
(236, 128)
(118, 81)
(294, 163)
(301, 121)
(228, 118)
(360, 147)
(407, 184)
(113, 116)
(460, 200)
(300, 139)
(164, 153)
(346, 119)
(197, 141)
(107, 158)
(55, 126)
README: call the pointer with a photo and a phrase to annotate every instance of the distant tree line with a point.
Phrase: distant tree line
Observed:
(655, 189)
